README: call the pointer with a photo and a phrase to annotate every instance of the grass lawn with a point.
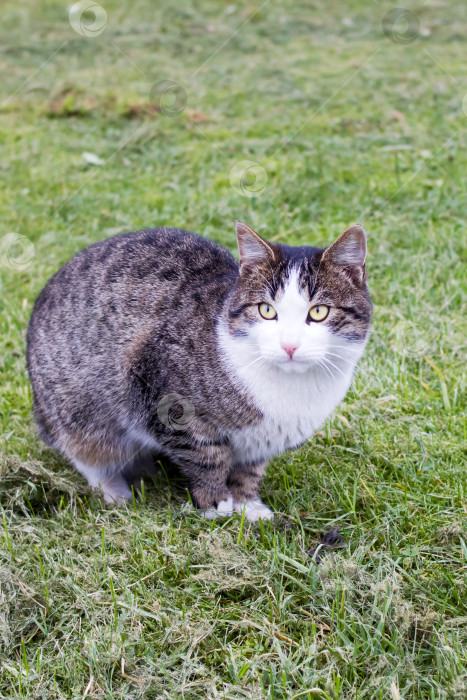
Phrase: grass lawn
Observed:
(146, 124)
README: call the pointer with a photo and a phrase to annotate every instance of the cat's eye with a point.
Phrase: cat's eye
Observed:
(267, 311)
(319, 312)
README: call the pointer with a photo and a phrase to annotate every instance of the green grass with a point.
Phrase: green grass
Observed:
(150, 601)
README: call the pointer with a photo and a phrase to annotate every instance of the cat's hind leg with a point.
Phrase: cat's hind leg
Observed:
(110, 480)
(142, 465)
(244, 482)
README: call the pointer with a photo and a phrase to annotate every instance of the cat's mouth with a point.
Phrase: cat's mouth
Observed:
(294, 367)
(294, 364)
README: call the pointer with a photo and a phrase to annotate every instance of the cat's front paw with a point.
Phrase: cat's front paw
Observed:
(254, 509)
(224, 510)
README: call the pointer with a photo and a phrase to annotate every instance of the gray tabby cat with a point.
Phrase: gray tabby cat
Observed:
(160, 342)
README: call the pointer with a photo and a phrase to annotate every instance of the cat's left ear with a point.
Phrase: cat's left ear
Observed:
(349, 250)
(252, 248)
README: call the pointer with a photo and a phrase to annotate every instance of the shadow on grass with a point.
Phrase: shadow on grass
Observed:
(38, 487)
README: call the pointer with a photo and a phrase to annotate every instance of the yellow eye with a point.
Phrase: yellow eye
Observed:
(267, 311)
(318, 313)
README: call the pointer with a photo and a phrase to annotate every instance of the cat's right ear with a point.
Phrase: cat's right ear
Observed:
(252, 248)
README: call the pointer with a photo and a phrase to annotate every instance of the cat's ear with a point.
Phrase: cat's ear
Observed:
(349, 250)
(252, 248)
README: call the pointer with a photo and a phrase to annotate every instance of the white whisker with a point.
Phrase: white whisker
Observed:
(329, 362)
(257, 359)
(335, 354)
(321, 364)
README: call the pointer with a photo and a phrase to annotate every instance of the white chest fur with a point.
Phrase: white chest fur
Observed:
(293, 405)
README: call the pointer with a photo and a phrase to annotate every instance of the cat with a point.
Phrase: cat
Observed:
(160, 342)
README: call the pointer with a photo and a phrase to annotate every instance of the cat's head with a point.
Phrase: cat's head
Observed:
(299, 307)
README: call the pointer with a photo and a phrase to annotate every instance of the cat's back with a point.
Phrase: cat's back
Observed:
(153, 256)
(116, 293)
(132, 274)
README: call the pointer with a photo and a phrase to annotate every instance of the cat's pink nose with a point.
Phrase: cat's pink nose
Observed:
(290, 349)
